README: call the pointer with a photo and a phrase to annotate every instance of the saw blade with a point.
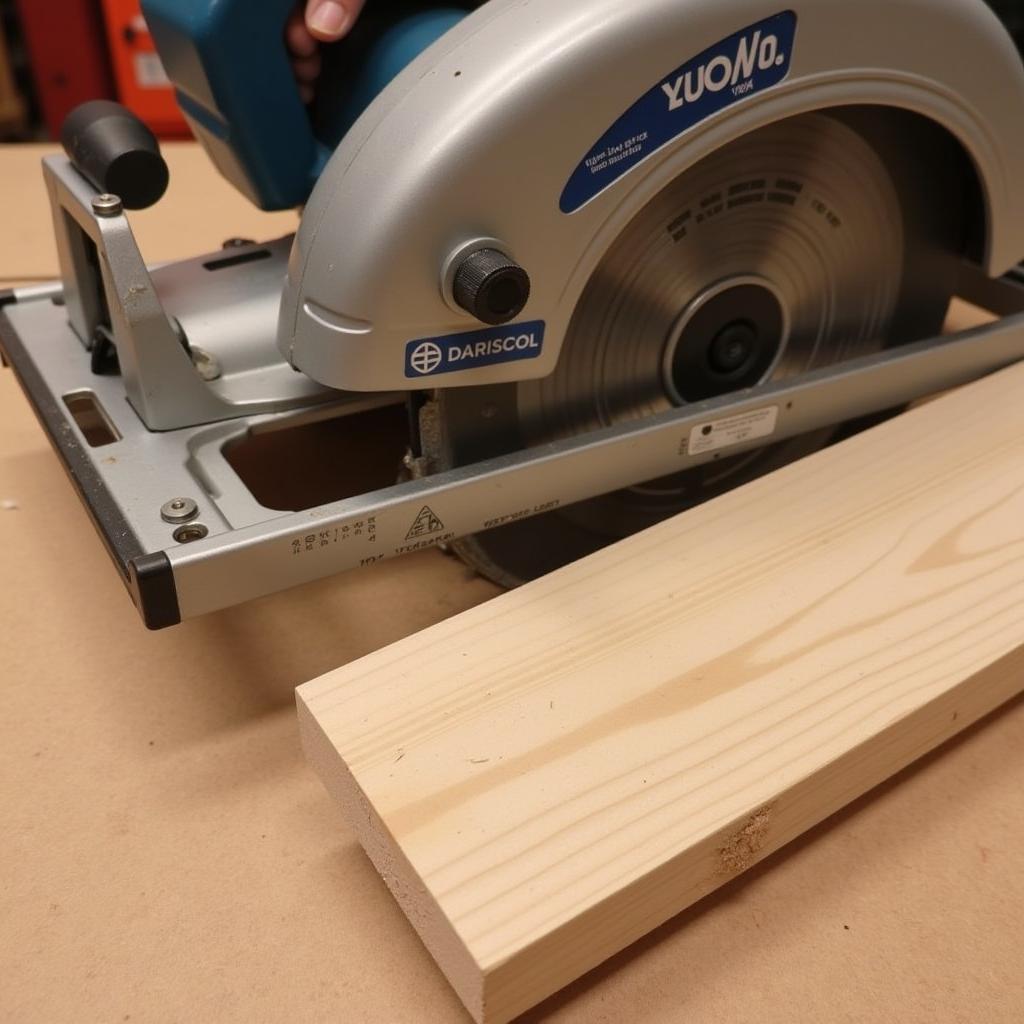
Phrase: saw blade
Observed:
(785, 251)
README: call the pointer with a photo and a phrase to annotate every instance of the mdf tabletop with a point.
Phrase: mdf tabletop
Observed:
(168, 855)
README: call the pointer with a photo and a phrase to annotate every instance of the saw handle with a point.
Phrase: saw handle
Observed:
(234, 82)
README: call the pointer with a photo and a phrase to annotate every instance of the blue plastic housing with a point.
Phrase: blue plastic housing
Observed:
(234, 82)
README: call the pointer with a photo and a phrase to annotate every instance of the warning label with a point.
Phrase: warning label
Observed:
(733, 431)
(426, 524)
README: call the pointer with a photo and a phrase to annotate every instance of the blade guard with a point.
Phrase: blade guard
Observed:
(482, 142)
(235, 85)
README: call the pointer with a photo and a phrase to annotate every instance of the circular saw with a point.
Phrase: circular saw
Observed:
(565, 268)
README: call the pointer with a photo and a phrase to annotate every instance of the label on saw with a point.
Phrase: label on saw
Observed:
(734, 430)
(743, 65)
(432, 357)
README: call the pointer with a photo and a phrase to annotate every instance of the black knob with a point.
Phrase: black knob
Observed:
(491, 287)
(115, 152)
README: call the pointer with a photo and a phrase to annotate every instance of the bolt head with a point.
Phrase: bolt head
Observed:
(179, 510)
(206, 365)
(107, 205)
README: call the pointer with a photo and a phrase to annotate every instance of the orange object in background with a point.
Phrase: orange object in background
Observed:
(67, 56)
(142, 85)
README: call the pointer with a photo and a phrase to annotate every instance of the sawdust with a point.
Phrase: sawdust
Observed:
(742, 848)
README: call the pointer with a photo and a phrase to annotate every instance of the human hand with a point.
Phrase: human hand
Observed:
(321, 21)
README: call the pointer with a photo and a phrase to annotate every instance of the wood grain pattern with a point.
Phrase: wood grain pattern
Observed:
(546, 778)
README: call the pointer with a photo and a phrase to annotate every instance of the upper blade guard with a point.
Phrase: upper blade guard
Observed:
(504, 135)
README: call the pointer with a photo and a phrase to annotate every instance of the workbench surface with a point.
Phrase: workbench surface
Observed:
(168, 856)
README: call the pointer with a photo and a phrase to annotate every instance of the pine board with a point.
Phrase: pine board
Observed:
(546, 778)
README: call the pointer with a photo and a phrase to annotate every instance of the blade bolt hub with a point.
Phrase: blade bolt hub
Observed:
(733, 348)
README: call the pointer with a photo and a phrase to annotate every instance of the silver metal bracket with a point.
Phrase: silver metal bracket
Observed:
(223, 308)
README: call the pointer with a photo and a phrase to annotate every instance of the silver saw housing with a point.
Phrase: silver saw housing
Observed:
(476, 143)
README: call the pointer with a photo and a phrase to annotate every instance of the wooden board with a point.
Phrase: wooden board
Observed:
(543, 780)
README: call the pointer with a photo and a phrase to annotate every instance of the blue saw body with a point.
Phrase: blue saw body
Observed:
(234, 83)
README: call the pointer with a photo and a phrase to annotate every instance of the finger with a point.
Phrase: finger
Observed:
(298, 38)
(307, 69)
(329, 20)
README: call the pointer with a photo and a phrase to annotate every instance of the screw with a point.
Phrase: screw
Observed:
(179, 510)
(206, 365)
(107, 205)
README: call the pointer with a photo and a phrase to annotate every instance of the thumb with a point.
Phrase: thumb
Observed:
(329, 20)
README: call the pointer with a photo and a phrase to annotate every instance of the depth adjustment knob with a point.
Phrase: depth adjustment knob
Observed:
(491, 287)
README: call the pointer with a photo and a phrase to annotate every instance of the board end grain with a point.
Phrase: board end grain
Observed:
(435, 931)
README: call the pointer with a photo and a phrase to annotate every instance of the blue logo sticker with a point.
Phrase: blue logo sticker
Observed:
(742, 65)
(431, 357)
